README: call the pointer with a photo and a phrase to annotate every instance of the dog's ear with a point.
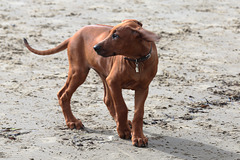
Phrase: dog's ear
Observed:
(146, 35)
(133, 20)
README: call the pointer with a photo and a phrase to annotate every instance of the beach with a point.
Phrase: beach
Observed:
(193, 107)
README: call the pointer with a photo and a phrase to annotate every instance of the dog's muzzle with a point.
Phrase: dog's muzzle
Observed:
(97, 48)
(100, 51)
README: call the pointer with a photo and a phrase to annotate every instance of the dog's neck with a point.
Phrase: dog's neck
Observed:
(144, 57)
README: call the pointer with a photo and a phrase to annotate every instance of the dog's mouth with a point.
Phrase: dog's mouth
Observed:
(103, 55)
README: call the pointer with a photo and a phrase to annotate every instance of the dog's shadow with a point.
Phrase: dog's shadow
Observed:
(178, 147)
(188, 149)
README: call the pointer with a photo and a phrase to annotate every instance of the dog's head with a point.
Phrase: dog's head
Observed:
(125, 39)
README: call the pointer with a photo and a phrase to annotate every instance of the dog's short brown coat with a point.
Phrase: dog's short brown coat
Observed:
(112, 51)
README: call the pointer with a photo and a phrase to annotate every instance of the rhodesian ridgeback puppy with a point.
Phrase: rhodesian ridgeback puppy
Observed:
(125, 57)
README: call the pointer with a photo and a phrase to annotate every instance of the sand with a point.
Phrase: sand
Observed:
(192, 111)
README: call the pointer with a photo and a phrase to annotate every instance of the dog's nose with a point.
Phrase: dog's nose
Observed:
(97, 48)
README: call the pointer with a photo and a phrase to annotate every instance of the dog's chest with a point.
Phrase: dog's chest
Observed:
(135, 82)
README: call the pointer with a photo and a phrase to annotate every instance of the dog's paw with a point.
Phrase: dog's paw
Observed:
(124, 133)
(77, 124)
(141, 141)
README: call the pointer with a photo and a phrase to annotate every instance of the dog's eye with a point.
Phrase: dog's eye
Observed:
(115, 36)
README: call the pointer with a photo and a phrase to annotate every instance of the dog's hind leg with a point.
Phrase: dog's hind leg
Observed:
(108, 100)
(78, 71)
(75, 79)
(60, 93)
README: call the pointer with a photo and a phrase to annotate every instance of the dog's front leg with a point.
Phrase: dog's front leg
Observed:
(121, 110)
(138, 139)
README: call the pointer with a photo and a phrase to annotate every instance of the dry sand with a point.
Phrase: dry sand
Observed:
(192, 111)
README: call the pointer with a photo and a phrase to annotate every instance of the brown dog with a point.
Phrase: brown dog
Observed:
(131, 63)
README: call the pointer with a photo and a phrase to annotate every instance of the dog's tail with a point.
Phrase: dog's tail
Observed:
(58, 48)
